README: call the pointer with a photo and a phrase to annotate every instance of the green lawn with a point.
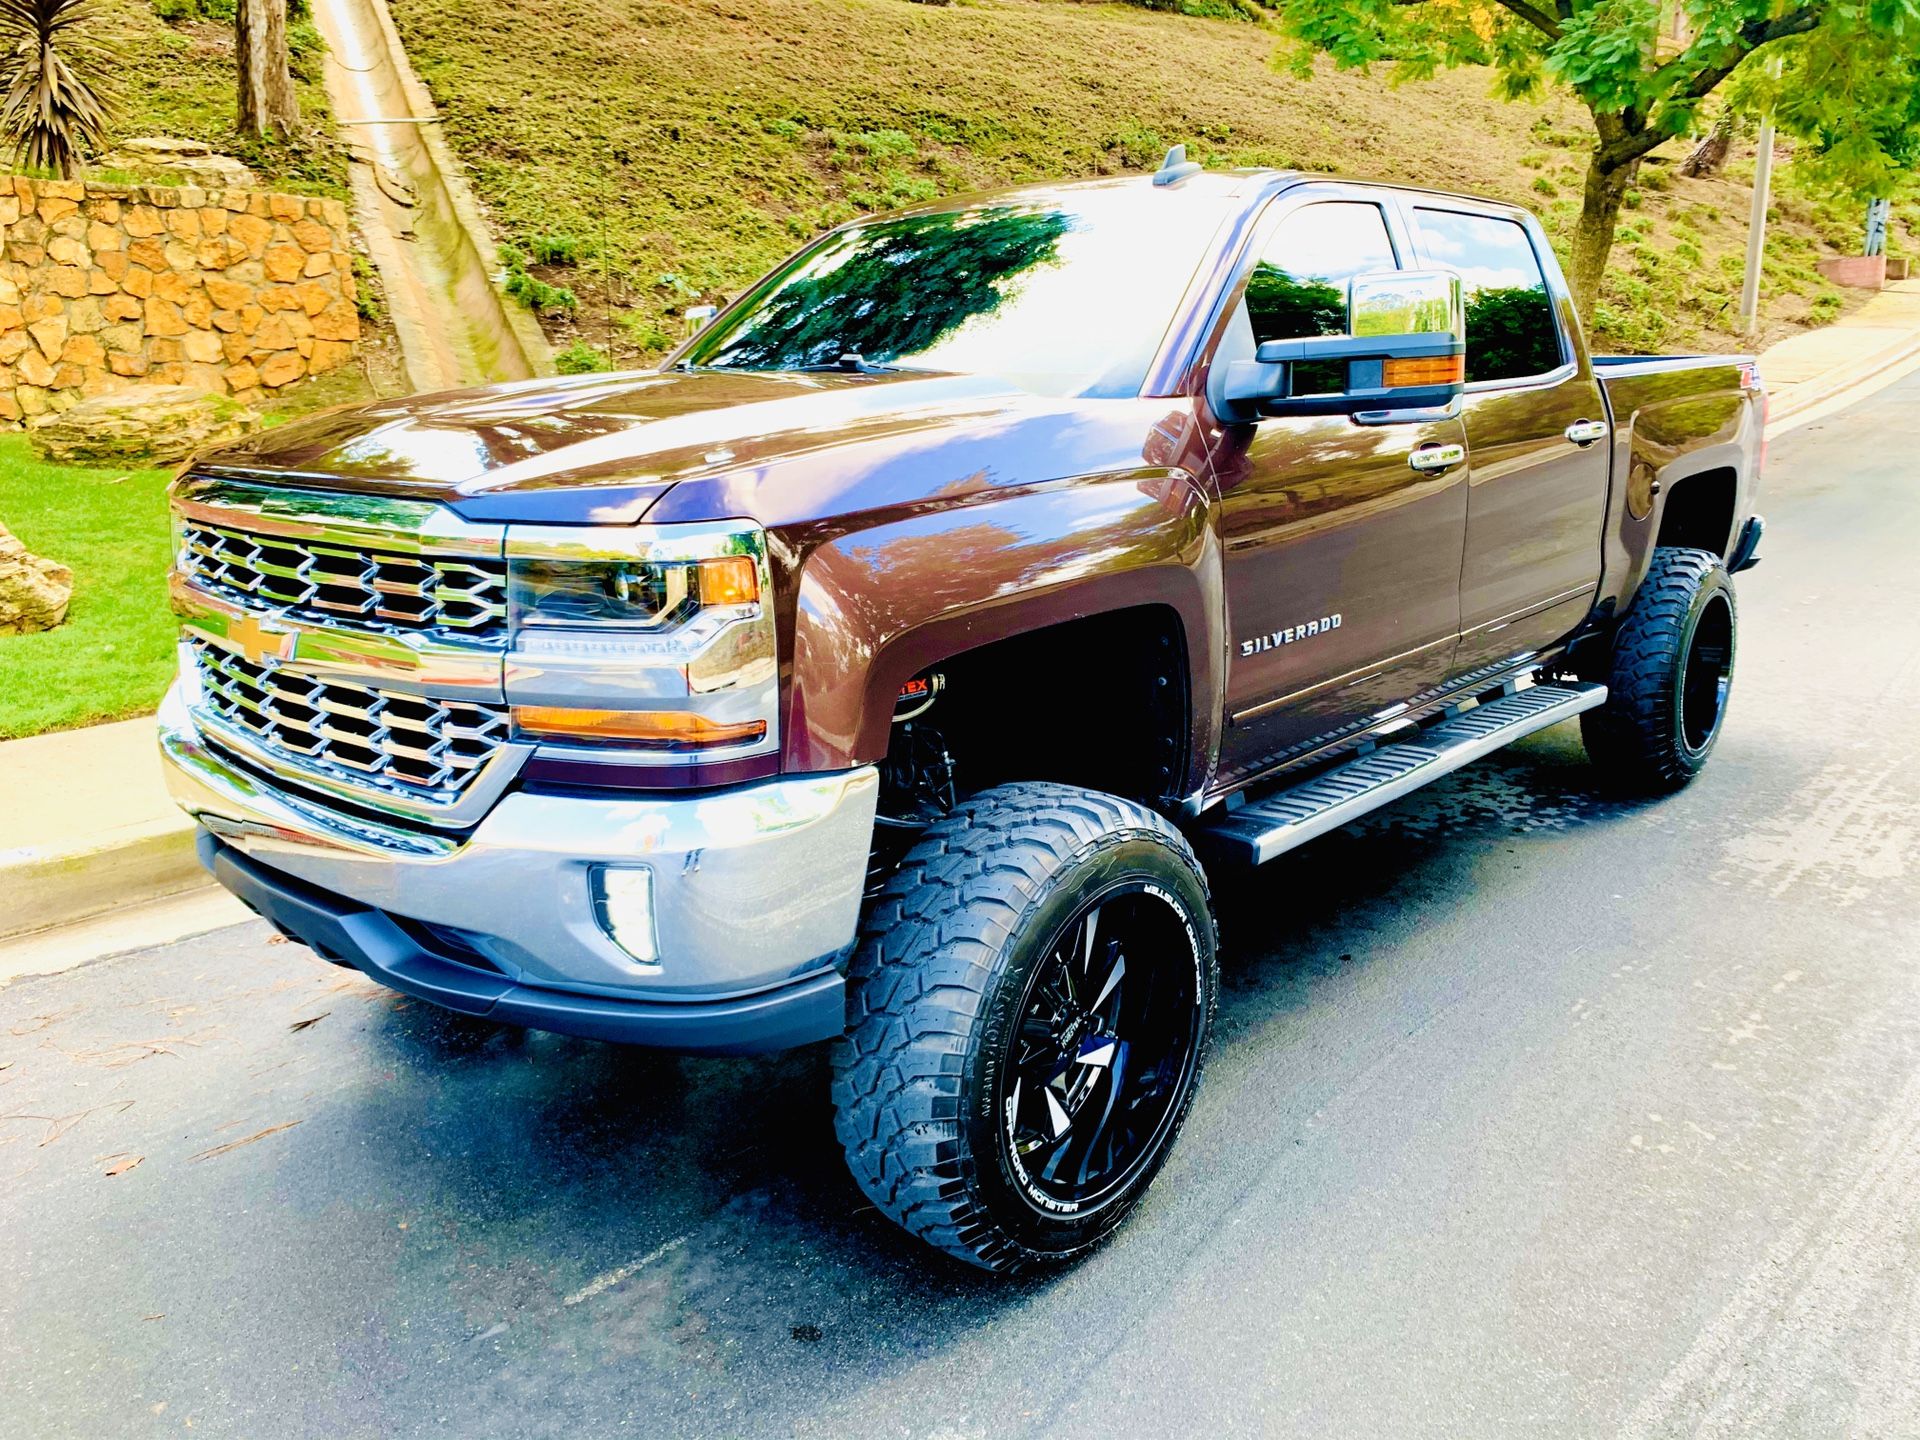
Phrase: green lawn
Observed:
(114, 655)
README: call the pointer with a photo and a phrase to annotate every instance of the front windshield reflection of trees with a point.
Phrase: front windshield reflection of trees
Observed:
(1059, 300)
(890, 293)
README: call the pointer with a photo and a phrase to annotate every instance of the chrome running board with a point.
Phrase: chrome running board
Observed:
(1261, 829)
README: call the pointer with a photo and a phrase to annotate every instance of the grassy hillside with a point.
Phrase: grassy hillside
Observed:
(178, 80)
(648, 153)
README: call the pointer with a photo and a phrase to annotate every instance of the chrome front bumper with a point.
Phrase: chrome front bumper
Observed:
(755, 888)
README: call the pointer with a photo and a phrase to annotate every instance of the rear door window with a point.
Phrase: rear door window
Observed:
(1511, 330)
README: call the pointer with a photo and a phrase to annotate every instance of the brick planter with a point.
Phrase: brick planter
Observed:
(239, 292)
(1862, 272)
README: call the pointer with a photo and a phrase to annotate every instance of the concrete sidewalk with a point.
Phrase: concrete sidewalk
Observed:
(86, 826)
(1839, 363)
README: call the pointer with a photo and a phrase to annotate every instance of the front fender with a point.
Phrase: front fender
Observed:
(877, 606)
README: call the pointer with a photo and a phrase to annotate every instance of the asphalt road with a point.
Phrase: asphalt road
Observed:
(1530, 1113)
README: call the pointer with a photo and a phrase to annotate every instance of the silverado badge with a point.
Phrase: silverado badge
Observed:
(1305, 630)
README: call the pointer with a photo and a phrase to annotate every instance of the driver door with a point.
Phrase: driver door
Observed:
(1343, 540)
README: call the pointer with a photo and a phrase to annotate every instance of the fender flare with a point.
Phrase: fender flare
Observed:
(878, 605)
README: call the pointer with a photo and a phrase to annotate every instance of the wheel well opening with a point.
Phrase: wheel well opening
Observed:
(1698, 512)
(1099, 702)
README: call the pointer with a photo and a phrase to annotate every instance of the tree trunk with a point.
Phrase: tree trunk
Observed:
(1709, 157)
(1606, 189)
(267, 103)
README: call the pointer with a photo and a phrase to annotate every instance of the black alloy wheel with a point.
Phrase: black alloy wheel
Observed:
(1027, 1018)
(1669, 674)
(1107, 1038)
(1707, 674)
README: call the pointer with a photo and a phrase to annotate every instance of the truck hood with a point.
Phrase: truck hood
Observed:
(600, 448)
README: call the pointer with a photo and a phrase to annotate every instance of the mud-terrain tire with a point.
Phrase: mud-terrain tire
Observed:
(971, 981)
(1669, 677)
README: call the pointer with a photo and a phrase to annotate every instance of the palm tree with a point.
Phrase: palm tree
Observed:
(55, 105)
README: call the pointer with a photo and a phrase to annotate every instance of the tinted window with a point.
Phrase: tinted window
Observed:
(1069, 298)
(1511, 332)
(1299, 284)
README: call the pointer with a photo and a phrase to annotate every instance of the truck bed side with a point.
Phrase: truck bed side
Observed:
(1686, 455)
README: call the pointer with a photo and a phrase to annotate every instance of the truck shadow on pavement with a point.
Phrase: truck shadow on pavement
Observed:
(695, 1212)
(460, 1216)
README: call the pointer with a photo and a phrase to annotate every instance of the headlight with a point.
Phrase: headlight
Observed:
(657, 640)
(636, 594)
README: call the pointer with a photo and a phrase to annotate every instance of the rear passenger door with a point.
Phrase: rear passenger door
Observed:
(1536, 437)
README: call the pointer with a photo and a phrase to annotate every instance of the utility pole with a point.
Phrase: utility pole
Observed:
(1757, 228)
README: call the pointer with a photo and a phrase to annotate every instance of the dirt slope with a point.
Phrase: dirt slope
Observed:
(648, 153)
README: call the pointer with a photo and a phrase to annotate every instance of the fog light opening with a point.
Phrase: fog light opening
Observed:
(623, 904)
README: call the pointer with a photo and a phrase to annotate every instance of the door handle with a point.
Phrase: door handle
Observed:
(1585, 432)
(1435, 458)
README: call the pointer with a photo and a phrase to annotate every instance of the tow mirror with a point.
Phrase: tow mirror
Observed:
(1405, 349)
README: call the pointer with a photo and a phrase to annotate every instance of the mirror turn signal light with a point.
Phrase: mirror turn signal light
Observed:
(1425, 370)
(729, 580)
(655, 729)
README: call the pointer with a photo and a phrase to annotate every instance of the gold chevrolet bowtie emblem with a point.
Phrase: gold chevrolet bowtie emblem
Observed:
(260, 642)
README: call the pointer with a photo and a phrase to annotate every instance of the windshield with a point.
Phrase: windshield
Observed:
(1066, 296)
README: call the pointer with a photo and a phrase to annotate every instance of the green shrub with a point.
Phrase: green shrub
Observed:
(1543, 186)
(557, 250)
(644, 333)
(537, 295)
(580, 358)
(366, 295)
(304, 49)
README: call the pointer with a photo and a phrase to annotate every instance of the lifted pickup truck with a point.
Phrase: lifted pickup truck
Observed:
(884, 668)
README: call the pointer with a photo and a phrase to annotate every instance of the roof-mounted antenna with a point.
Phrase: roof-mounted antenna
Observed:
(1176, 167)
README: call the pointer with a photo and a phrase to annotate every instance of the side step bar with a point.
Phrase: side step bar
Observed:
(1258, 831)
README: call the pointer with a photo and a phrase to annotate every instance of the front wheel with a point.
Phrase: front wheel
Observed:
(1028, 1011)
(1670, 676)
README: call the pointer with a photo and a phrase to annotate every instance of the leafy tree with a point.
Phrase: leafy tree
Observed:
(1862, 123)
(55, 107)
(1286, 307)
(1510, 331)
(1607, 53)
(892, 290)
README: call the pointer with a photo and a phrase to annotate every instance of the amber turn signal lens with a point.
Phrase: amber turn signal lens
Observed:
(659, 729)
(1427, 370)
(730, 580)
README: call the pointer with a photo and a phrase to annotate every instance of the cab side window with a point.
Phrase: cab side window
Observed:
(1511, 330)
(1298, 288)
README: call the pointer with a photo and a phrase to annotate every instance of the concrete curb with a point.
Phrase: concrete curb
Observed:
(44, 888)
(1840, 387)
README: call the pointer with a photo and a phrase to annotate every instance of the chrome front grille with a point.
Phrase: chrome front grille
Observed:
(412, 746)
(351, 584)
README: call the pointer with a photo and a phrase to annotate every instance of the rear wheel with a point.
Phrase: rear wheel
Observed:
(1029, 1010)
(1670, 676)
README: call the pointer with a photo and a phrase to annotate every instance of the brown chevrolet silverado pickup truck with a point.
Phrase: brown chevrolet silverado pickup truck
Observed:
(894, 664)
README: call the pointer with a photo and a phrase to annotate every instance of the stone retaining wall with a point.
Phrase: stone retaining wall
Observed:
(239, 292)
